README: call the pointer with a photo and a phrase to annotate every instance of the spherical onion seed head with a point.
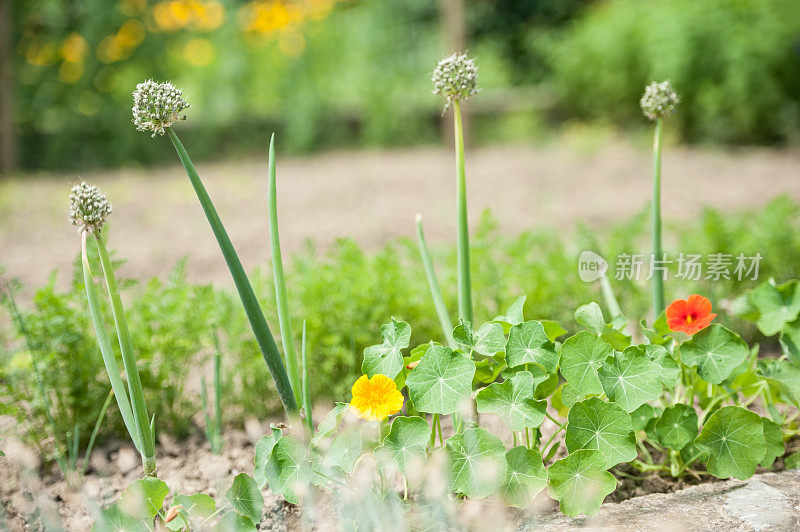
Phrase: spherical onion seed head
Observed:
(456, 78)
(659, 100)
(88, 207)
(157, 106)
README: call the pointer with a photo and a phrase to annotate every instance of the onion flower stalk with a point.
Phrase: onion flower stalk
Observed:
(89, 208)
(157, 106)
(456, 78)
(658, 102)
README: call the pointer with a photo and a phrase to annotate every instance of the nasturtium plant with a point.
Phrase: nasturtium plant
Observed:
(513, 401)
(605, 427)
(734, 439)
(677, 426)
(528, 343)
(476, 462)
(387, 358)
(525, 477)
(441, 381)
(405, 443)
(245, 498)
(288, 468)
(776, 305)
(487, 340)
(582, 356)
(680, 403)
(580, 482)
(630, 378)
(716, 351)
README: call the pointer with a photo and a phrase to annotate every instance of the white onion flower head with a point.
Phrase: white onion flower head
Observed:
(659, 100)
(456, 78)
(88, 207)
(156, 106)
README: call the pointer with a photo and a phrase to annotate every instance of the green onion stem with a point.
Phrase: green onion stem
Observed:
(264, 338)
(140, 416)
(658, 279)
(464, 280)
(433, 284)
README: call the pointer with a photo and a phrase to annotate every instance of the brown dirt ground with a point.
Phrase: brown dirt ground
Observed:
(373, 196)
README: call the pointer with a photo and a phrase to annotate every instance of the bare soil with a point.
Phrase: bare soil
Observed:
(373, 196)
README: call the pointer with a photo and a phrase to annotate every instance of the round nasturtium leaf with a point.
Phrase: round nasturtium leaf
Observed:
(476, 462)
(405, 444)
(145, 497)
(773, 436)
(776, 305)
(528, 343)
(734, 439)
(441, 381)
(642, 416)
(581, 356)
(580, 482)
(513, 401)
(787, 374)
(288, 469)
(488, 340)
(525, 477)
(677, 426)
(345, 450)
(630, 378)
(591, 317)
(245, 498)
(670, 370)
(596, 425)
(387, 358)
(715, 351)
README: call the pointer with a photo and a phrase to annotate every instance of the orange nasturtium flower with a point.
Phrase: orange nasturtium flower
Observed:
(690, 315)
(375, 399)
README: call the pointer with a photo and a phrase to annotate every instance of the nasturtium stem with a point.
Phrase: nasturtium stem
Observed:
(135, 391)
(282, 300)
(464, 279)
(264, 338)
(433, 284)
(658, 279)
(434, 421)
(103, 340)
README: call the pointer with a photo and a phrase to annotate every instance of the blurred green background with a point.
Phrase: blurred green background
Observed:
(334, 73)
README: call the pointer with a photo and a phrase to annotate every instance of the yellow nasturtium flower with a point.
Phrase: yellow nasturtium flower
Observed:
(375, 398)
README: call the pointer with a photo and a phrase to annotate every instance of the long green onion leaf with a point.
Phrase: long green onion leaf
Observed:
(433, 284)
(264, 338)
(284, 319)
(106, 351)
(306, 383)
(95, 430)
(135, 391)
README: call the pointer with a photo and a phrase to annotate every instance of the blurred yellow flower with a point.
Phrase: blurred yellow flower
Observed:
(74, 48)
(375, 398)
(199, 52)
